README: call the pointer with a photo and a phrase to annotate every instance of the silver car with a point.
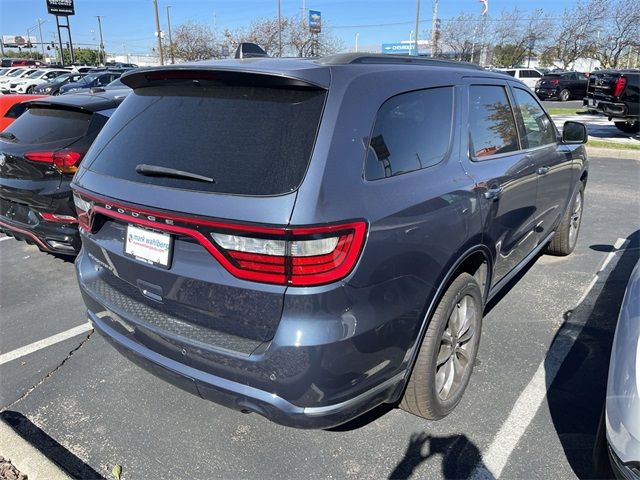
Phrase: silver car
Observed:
(623, 398)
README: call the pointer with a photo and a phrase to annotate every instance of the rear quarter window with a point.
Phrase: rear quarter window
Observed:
(42, 125)
(412, 131)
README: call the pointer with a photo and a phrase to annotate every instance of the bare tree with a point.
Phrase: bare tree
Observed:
(297, 41)
(461, 36)
(194, 41)
(516, 33)
(619, 33)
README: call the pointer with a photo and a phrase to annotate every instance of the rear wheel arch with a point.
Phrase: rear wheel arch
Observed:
(477, 262)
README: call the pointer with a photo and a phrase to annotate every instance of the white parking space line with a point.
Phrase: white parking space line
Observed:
(47, 342)
(5, 238)
(496, 456)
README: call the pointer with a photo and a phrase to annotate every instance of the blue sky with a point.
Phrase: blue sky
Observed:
(131, 22)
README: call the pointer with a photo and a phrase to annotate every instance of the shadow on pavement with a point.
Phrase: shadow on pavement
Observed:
(459, 455)
(49, 447)
(576, 395)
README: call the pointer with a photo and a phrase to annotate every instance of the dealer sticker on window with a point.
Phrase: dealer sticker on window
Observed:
(148, 246)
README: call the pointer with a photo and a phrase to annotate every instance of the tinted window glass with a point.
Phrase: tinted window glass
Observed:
(511, 72)
(41, 125)
(412, 131)
(491, 123)
(534, 74)
(538, 130)
(582, 76)
(16, 110)
(251, 140)
(525, 74)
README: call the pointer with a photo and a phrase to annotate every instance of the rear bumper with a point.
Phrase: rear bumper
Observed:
(242, 397)
(54, 237)
(610, 109)
(544, 93)
(322, 368)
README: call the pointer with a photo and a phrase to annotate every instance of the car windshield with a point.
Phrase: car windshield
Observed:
(36, 74)
(15, 73)
(90, 78)
(61, 78)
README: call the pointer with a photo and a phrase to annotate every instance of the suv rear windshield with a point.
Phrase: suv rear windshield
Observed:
(42, 125)
(250, 140)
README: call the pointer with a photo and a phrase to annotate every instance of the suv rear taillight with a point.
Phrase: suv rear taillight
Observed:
(298, 256)
(554, 81)
(65, 161)
(304, 256)
(618, 88)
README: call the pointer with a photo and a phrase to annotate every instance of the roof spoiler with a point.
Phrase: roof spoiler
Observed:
(201, 73)
(249, 50)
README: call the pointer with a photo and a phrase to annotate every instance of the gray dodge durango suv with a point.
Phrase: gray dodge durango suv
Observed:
(309, 238)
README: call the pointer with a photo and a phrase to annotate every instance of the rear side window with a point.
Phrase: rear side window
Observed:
(492, 126)
(41, 125)
(16, 110)
(412, 131)
(538, 130)
(250, 140)
(511, 72)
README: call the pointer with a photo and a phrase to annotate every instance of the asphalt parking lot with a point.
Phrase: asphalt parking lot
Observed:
(531, 409)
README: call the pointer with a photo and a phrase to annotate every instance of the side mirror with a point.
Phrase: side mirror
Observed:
(574, 132)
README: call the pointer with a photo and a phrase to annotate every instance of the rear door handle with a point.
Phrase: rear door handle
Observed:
(543, 170)
(493, 193)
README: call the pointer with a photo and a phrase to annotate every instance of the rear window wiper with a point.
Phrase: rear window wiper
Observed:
(158, 171)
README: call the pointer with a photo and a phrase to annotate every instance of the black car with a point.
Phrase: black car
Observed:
(39, 153)
(308, 239)
(92, 79)
(53, 87)
(562, 86)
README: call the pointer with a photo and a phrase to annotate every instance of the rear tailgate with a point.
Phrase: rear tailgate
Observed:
(39, 130)
(254, 141)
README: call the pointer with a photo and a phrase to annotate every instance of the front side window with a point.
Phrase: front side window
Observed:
(412, 131)
(538, 130)
(492, 127)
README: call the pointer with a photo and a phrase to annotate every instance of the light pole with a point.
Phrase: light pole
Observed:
(279, 31)
(434, 29)
(40, 22)
(170, 40)
(158, 31)
(101, 57)
(415, 38)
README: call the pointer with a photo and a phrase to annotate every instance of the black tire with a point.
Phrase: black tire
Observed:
(627, 127)
(30, 90)
(564, 241)
(422, 396)
(601, 462)
(564, 95)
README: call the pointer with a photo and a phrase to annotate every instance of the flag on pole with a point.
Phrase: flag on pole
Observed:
(485, 6)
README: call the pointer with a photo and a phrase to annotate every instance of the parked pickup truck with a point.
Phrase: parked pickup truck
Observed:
(616, 94)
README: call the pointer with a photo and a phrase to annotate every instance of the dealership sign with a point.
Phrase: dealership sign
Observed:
(60, 7)
(398, 48)
(315, 21)
(17, 40)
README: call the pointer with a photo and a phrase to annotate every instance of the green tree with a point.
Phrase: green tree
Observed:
(35, 55)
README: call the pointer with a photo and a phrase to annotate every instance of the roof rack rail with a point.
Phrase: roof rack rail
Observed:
(381, 59)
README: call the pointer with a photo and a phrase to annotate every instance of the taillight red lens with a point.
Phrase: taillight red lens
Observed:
(83, 209)
(52, 217)
(65, 161)
(618, 88)
(300, 257)
(554, 81)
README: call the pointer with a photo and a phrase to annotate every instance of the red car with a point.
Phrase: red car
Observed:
(11, 107)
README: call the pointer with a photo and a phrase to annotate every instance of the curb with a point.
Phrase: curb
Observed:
(27, 458)
(614, 153)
